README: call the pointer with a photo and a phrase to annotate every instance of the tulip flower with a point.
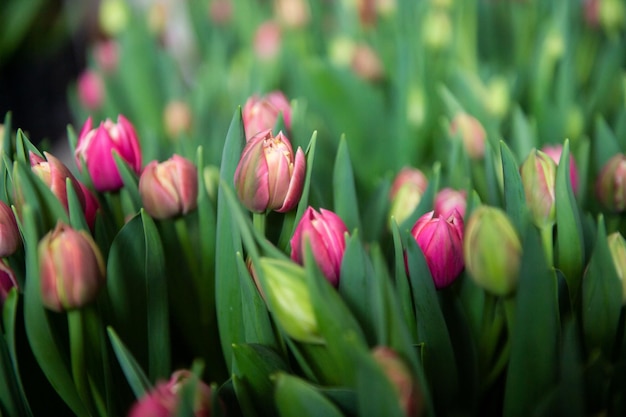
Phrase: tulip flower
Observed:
(90, 90)
(177, 118)
(407, 389)
(617, 247)
(170, 188)
(325, 232)
(10, 238)
(7, 282)
(72, 269)
(96, 148)
(538, 174)
(268, 176)
(472, 134)
(289, 300)
(164, 399)
(406, 193)
(441, 241)
(611, 184)
(554, 152)
(267, 41)
(366, 64)
(492, 250)
(448, 200)
(261, 113)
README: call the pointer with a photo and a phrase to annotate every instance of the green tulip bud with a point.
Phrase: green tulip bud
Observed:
(539, 178)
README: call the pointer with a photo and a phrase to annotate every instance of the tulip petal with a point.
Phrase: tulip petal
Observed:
(292, 198)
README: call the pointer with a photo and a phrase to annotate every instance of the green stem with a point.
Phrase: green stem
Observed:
(548, 246)
(497, 368)
(258, 219)
(185, 243)
(77, 351)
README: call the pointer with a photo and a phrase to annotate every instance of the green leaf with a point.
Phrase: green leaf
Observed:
(77, 216)
(131, 181)
(403, 287)
(514, 198)
(533, 363)
(135, 376)
(304, 199)
(523, 137)
(227, 289)
(569, 250)
(344, 192)
(296, 397)
(601, 296)
(23, 146)
(605, 144)
(439, 361)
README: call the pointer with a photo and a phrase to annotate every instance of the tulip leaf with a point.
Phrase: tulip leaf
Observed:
(77, 216)
(227, 290)
(72, 138)
(137, 379)
(138, 294)
(601, 296)
(514, 198)
(569, 249)
(605, 144)
(403, 287)
(534, 342)
(304, 199)
(42, 339)
(439, 361)
(296, 397)
(523, 137)
(253, 366)
(344, 192)
(376, 212)
(23, 146)
(131, 182)
(356, 284)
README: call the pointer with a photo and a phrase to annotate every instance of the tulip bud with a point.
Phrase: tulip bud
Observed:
(366, 63)
(409, 393)
(97, 146)
(554, 152)
(472, 134)
(492, 250)
(448, 200)
(268, 177)
(539, 178)
(54, 174)
(10, 238)
(617, 246)
(292, 13)
(106, 55)
(7, 282)
(164, 399)
(267, 40)
(113, 16)
(177, 118)
(221, 11)
(261, 113)
(611, 184)
(289, 300)
(90, 90)
(325, 233)
(406, 193)
(170, 188)
(441, 241)
(437, 30)
(72, 268)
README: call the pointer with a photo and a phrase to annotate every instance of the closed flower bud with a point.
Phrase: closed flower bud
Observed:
(267, 41)
(72, 269)
(325, 233)
(96, 148)
(10, 238)
(268, 176)
(292, 13)
(471, 132)
(448, 200)
(617, 246)
(611, 184)
(106, 54)
(441, 241)
(90, 90)
(164, 399)
(366, 64)
(7, 282)
(406, 193)
(170, 188)
(539, 178)
(289, 300)
(492, 250)
(409, 392)
(554, 152)
(177, 118)
(261, 113)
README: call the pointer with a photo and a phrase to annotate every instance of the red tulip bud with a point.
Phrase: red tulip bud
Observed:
(261, 113)
(554, 152)
(611, 184)
(447, 200)
(10, 238)
(7, 282)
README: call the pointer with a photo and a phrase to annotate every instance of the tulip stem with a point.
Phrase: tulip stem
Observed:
(78, 355)
(183, 239)
(258, 219)
(547, 240)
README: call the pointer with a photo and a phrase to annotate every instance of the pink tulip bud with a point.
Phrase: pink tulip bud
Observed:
(163, 400)
(554, 152)
(538, 178)
(10, 238)
(177, 117)
(292, 13)
(106, 55)
(72, 269)
(325, 232)
(169, 188)
(97, 146)
(611, 184)
(406, 193)
(472, 134)
(366, 64)
(407, 389)
(267, 40)
(90, 90)
(261, 113)
(268, 176)
(447, 200)
(221, 11)
(441, 241)
(7, 282)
